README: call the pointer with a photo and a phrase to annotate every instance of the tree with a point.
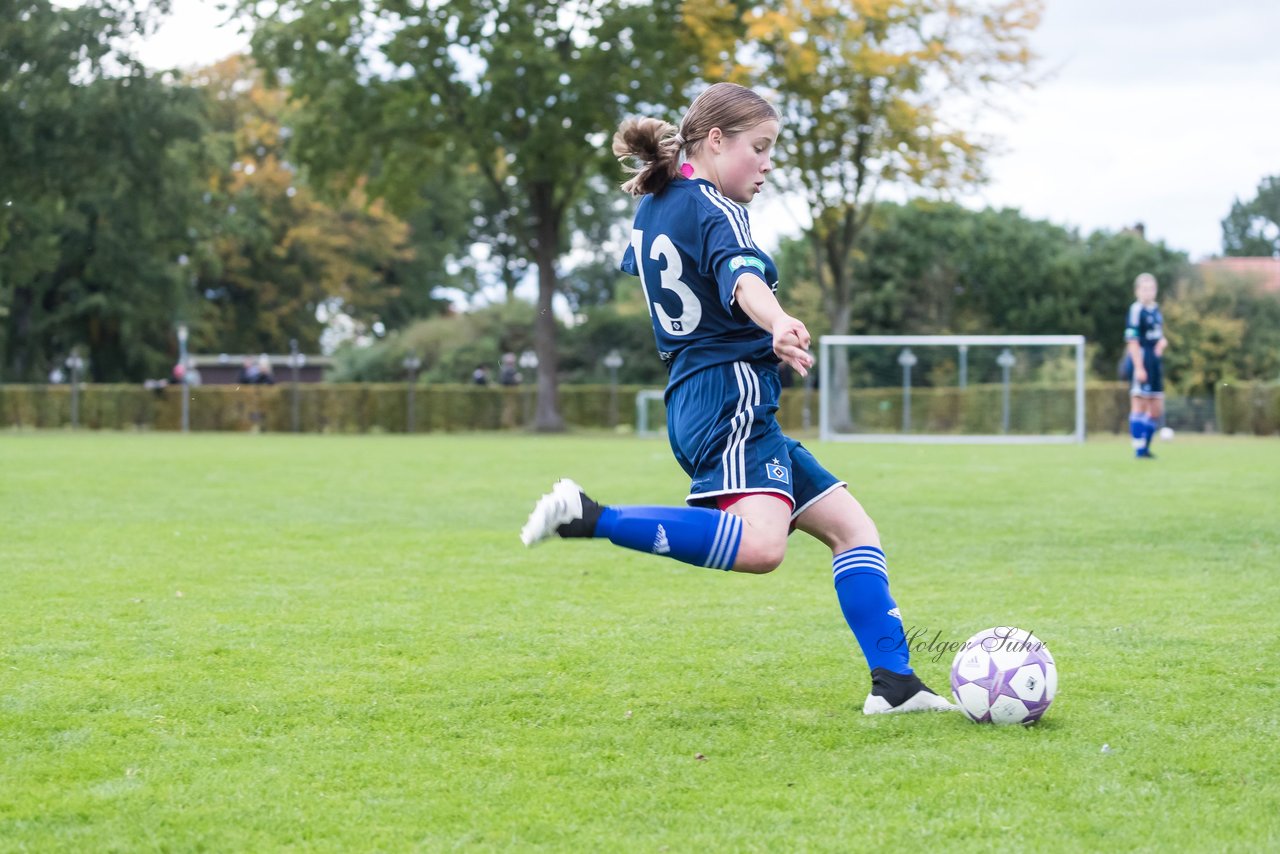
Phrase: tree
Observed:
(620, 326)
(1220, 330)
(868, 93)
(1253, 228)
(449, 346)
(276, 254)
(525, 93)
(939, 268)
(100, 166)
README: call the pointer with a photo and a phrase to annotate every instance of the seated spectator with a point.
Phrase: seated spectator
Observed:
(264, 370)
(248, 372)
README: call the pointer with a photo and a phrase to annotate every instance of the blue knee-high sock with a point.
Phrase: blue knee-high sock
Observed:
(862, 586)
(693, 535)
(1149, 427)
(1138, 430)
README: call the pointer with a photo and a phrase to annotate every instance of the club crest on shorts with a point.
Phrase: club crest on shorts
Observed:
(777, 471)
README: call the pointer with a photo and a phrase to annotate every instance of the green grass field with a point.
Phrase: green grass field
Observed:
(253, 643)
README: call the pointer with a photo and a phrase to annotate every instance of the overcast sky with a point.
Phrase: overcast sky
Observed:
(1154, 112)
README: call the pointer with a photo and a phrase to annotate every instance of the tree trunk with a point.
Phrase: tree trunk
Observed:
(18, 362)
(837, 383)
(509, 281)
(830, 255)
(547, 222)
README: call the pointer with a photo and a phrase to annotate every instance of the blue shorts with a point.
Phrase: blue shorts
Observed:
(1154, 386)
(723, 427)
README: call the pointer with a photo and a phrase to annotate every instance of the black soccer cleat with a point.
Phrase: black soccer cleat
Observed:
(895, 693)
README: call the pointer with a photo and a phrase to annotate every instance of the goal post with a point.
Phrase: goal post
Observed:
(952, 388)
(651, 413)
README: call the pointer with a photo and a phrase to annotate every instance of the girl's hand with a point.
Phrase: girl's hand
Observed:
(791, 344)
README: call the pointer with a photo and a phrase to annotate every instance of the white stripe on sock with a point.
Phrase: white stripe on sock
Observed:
(860, 559)
(717, 543)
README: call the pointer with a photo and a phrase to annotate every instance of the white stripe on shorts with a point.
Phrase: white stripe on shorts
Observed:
(733, 460)
(726, 465)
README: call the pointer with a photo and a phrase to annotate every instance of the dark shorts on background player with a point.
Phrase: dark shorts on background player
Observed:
(723, 429)
(1154, 386)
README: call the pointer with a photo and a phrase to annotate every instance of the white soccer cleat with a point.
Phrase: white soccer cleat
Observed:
(563, 504)
(921, 701)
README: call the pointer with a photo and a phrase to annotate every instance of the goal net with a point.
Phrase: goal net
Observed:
(952, 388)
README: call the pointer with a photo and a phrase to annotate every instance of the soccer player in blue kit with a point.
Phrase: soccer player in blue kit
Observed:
(1144, 338)
(722, 334)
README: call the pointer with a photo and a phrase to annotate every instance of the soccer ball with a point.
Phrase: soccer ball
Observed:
(1166, 433)
(1004, 675)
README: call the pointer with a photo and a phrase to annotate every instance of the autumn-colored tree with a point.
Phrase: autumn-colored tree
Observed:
(277, 253)
(871, 93)
(1227, 328)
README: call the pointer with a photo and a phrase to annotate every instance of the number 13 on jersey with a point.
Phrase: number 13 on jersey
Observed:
(664, 252)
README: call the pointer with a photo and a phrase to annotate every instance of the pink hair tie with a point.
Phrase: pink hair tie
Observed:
(686, 169)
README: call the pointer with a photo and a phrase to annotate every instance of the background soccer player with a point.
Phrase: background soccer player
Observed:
(1144, 338)
(722, 334)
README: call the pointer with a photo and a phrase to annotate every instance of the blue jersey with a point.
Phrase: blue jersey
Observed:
(1144, 325)
(689, 246)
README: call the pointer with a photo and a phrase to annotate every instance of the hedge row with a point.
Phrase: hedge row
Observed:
(369, 407)
(1248, 408)
(978, 409)
(324, 408)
